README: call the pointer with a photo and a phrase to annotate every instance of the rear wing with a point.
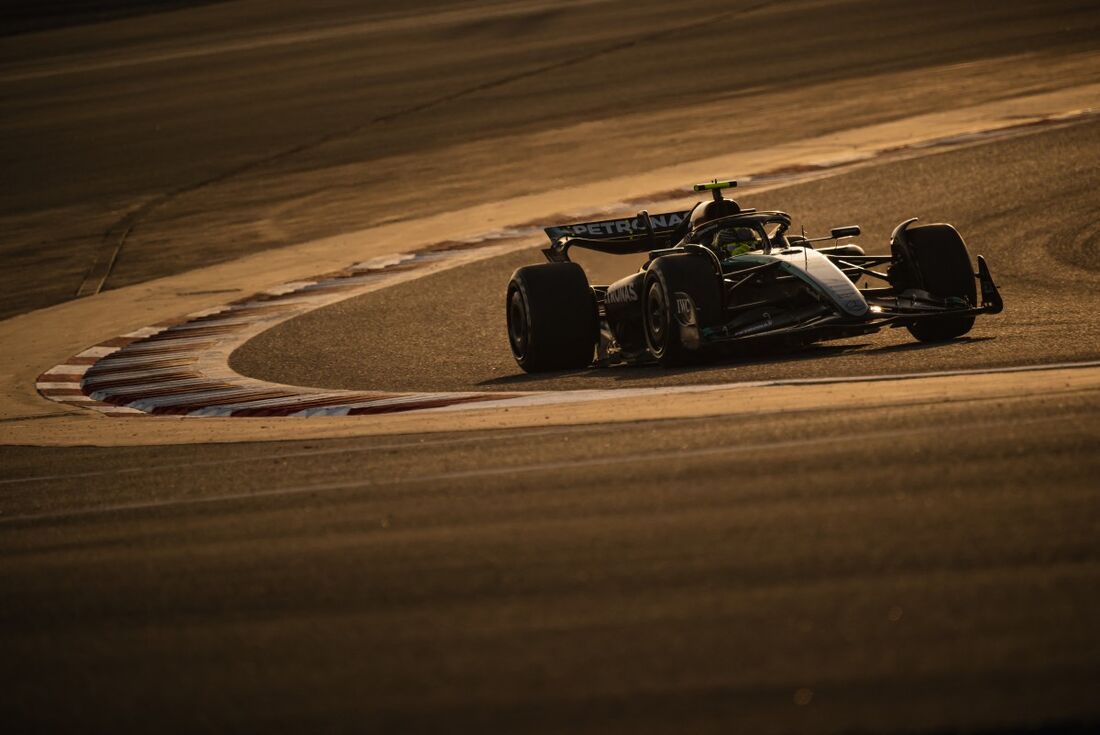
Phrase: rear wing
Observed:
(618, 229)
(616, 236)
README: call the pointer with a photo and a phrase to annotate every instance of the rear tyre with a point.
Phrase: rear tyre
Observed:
(667, 275)
(942, 269)
(552, 322)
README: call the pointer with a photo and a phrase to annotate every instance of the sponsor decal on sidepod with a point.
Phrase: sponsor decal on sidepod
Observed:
(624, 294)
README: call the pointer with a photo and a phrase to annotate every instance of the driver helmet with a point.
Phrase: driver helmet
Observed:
(731, 241)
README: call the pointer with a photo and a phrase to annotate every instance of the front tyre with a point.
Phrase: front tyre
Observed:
(943, 269)
(552, 322)
(693, 275)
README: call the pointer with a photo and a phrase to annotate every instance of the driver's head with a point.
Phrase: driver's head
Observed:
(736, 240)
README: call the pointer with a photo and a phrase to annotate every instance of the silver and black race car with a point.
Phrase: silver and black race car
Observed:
(722, 276)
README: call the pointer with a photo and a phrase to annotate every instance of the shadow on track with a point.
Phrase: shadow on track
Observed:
(32, 18)
(913, 346)
(723, 362)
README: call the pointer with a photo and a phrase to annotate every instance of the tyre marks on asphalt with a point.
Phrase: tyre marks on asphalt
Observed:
(115, 238)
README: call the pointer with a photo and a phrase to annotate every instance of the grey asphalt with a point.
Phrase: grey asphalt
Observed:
(1027, 204)
(199, 136)
(931, 568)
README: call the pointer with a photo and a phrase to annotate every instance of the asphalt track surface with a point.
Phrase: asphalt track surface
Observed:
(1027, 204)
(903, 564)
(924, 569)
(187, 138)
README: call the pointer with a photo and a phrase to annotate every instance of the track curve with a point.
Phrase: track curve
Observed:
(1025, 203)
(181, 368)
(871, 537)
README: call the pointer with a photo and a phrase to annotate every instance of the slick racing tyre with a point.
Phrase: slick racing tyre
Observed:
(552, 322)
(943, 269)
(668, 275)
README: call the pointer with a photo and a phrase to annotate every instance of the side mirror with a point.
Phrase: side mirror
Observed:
(849, 231)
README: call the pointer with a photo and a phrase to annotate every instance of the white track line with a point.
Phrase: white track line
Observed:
(548, 398)
(488, 435)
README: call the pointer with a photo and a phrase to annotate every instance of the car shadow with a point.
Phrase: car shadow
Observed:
(774, 355)
(914, 346)
(631, 373)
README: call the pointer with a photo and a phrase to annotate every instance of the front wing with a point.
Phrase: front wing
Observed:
(820, 323)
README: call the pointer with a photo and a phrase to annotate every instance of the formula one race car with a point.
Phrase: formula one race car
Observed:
(718, 275)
